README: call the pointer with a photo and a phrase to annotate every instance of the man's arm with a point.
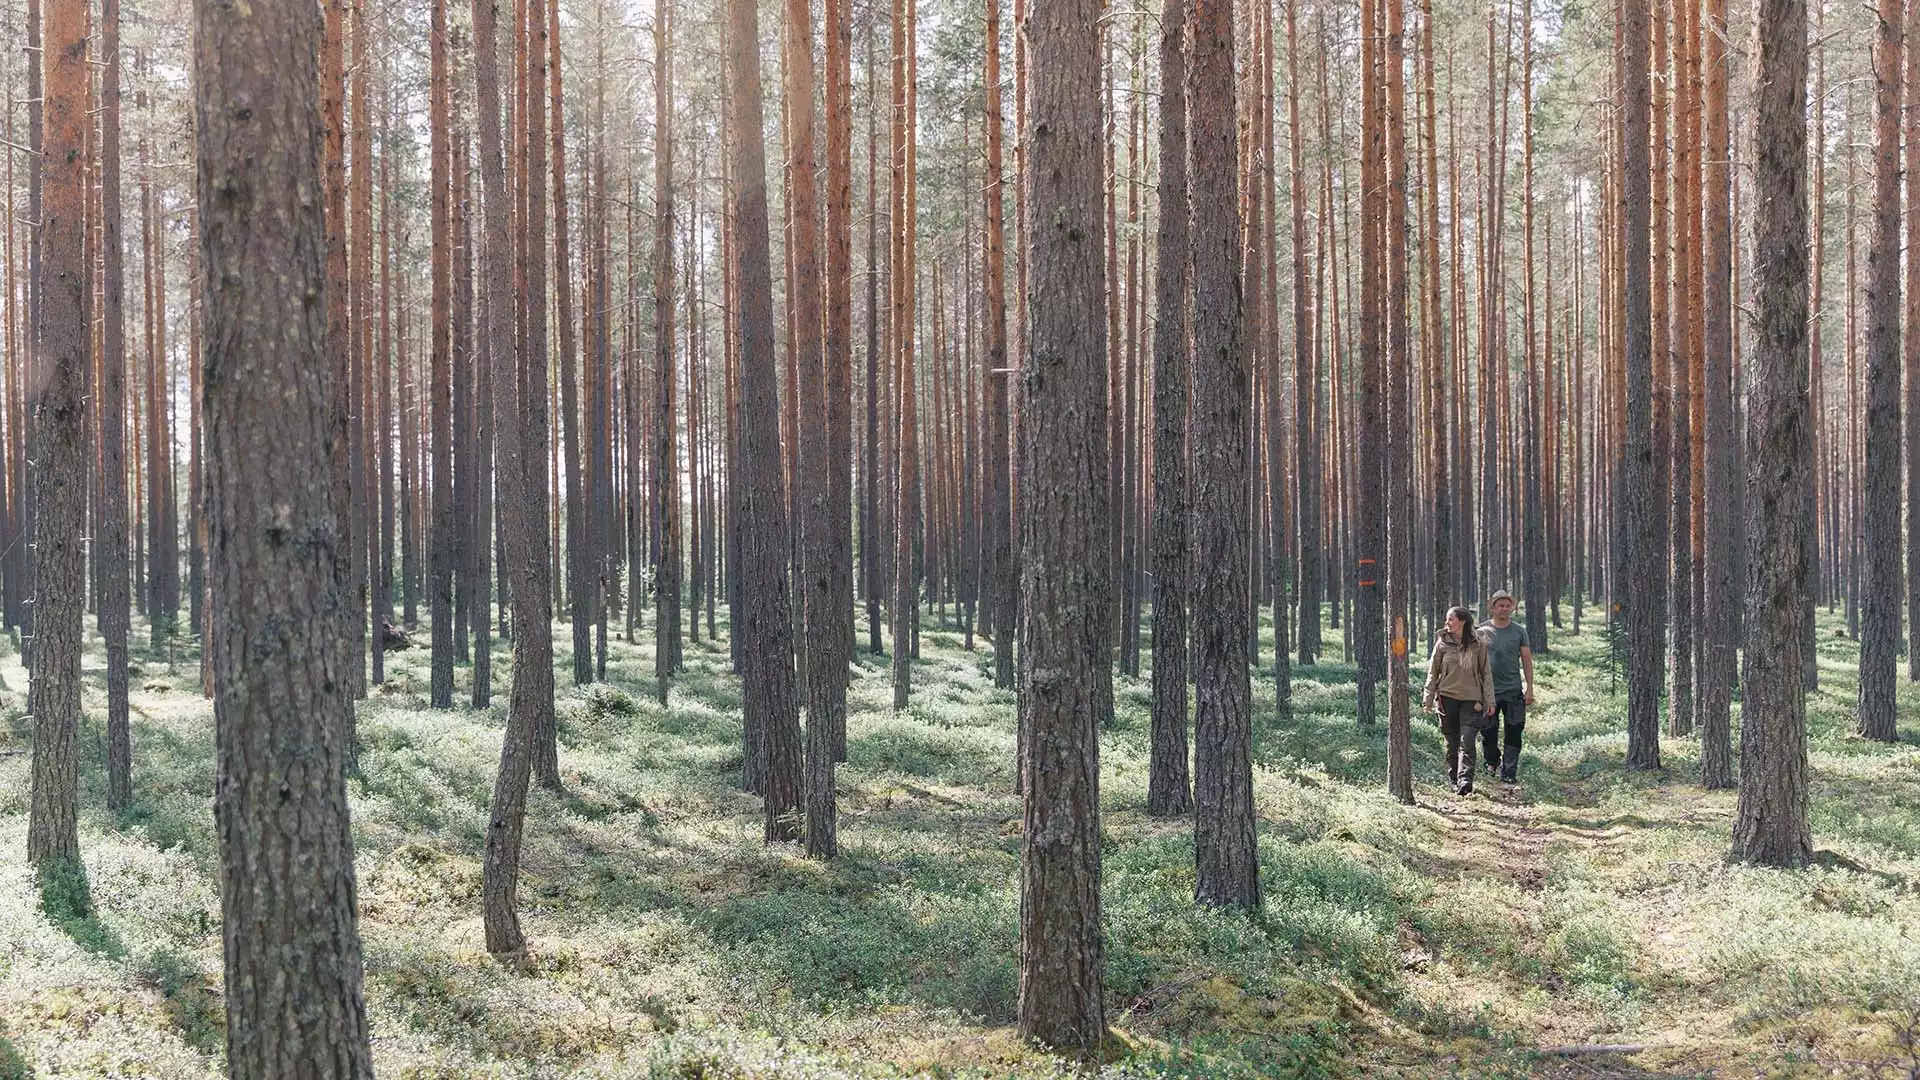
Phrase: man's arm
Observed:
(1526, 665)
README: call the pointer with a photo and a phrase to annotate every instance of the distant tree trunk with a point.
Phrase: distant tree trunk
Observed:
(1720, 529)
(1223, 729)
(1066, 692)
(63, 360)
(1771, 823)
(666, 458)
(116, 586)
(281, 597)
(1003, 582)
(1168, 789)
(1307, 448)
(838, 375)
(1646, 639)
(444, 524)
(1880, 494)
(1399, 464)
(1369, 431)
(907, 511)
(332, 84)
(533, 408)
(766, 627)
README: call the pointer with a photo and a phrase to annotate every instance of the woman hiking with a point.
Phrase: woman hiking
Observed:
(1460, 690)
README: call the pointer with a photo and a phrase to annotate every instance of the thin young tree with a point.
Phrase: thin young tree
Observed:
(1720, 525)
(444, 524)
(825, 667)
(1770, 825)
(1168, 785)
(666, 458)
(1065, 677)
(1003, 579)
(280, 599)
(62, 358)
(115, 585)
(838, 362)
(1644, 559)
(1882, 587)
(766, 628)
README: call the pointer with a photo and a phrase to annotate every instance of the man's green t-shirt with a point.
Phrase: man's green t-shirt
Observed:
(1506, 643)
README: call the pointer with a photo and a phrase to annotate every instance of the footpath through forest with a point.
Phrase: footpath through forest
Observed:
(1518, 932)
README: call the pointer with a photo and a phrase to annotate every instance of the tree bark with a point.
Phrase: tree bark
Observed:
(666, 458)
(1224, 851)
(1644, 562)
(1168, 786)
(1770, 825)
(1066, 683)
(281, 601)
(766, 628)
(116, 587)
(1882, 586)
(444, 542)
(61, 452)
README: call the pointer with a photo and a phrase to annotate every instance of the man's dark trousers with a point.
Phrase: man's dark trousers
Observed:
(1511, 712)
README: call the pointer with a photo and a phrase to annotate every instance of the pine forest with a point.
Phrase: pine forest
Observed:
(1010, 538)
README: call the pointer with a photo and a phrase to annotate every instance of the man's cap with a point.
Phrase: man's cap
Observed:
(1499, 595)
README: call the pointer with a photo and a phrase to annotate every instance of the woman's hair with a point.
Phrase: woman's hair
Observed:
(1465, 615)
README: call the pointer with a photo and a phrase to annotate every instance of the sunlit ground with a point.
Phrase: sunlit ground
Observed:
(1462, 937)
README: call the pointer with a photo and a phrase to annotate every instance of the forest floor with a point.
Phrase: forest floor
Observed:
(1482, 936)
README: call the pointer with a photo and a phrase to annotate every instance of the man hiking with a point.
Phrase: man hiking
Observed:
(1511, 659)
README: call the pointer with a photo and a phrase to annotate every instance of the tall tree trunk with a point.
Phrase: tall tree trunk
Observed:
(1003, 583)
(1770, 825)
(666, 457)
(1224, 850)
(907, 510)
(1720, 529)
(826, 669)
(1066, 681)
(766, 629)
(444, 524)
(116, 586)
(1644, 562)
(1168, 790)
(61, 452)
(1399, 464)
(520, 478)
(281, 597)
(1880, 493)
(838, 375)
(1307, 448)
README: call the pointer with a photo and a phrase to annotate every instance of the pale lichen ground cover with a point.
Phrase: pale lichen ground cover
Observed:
(1456, 937)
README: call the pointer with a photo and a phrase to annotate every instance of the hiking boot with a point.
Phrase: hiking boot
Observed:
(1509, 775)
(1464, 787)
